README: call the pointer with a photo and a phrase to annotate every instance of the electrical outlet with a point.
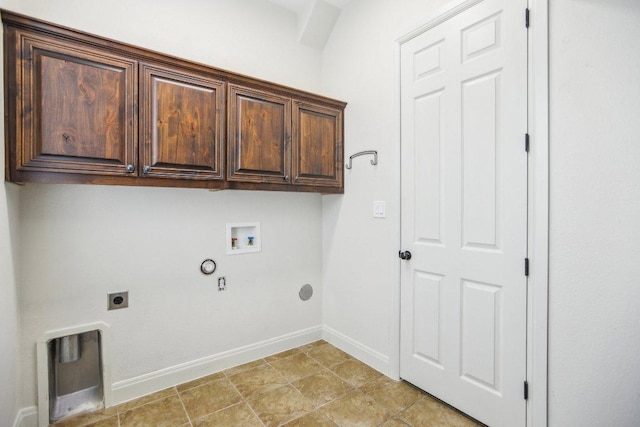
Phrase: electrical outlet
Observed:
(117, 300)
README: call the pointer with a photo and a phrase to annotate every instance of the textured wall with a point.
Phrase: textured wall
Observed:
(594, 322)
(9, 265)
(80, 242)
(360, 252)
(594, 331)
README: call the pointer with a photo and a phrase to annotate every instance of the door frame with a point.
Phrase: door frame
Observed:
(538, 209)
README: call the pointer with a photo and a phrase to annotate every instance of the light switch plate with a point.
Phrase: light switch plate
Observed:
(379, 209)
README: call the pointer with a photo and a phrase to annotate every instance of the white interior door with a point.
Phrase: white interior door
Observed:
(464, 210)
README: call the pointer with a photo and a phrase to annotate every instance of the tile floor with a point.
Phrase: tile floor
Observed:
(313, 385)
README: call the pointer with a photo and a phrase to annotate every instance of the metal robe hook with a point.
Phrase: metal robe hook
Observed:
(362, 153)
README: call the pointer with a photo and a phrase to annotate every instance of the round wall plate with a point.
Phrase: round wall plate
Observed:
(208, 266)
(306, 292)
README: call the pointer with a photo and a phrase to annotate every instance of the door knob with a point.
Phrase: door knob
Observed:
(406, 255)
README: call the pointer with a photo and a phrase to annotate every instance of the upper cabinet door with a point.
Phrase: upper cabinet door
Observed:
(182, 124)
(317, 149)
(76, 108)
(259, 132)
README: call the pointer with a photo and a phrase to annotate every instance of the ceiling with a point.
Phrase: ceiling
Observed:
(316, 18)
(301, 6)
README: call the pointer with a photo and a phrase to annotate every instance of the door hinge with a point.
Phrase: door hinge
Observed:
(526, 17)
(526, 266)
(526, 390)
(526, 142)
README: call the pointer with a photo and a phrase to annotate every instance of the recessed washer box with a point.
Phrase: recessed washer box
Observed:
(243, 237)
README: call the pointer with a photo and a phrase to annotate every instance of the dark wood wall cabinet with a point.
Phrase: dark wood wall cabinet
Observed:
(84, 109)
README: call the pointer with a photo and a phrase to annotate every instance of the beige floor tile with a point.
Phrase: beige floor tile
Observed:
(109, 422)
(278, 406)
(126, 406)
(355, 409)
(297, 366)
(322, 387)
(428, 412)
(395, 423)
(258, 380)
(355, 372)
(200, 381)
(328, 355)
(313, 419)
(308, 347)
(209, 398)
(241, 368)
(282, 355)
(313, 385)
(90, 419)
(167, 412)
(237, 415)
(395, 396)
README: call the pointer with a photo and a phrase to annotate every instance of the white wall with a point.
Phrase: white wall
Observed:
(80, 242)
(594, 332)
(252, 37)
(9, 266)
(154, 239)
(360, 253)
(9, 251)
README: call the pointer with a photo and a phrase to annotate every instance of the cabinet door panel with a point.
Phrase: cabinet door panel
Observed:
(182, 124)
(317, 145)
(259, 129)
(78, 109)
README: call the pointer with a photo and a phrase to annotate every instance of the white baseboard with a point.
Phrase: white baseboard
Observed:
(133, 388)
(27, 417)
(358, 350)
(152, 382)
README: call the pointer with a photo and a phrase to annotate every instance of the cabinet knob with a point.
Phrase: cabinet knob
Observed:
(146, 169)
(130, 168)
(286, 178)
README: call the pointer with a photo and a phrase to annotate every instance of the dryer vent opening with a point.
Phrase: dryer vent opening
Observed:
(75, 375)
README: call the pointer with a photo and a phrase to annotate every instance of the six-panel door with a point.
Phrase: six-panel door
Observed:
(464, 210)
(78, 108)
(182, 124)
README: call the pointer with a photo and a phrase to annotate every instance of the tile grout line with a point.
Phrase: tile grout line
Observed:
(246, 402)
(324, 367)
(140, 406)
(183, 406)
(290, 383)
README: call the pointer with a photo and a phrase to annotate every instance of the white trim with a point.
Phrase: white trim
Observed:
(537, 303)
(356, 349)
(394, 321)
(449, 10)
(537, 415)
(142, 385)
(43, 364)
(27, 417)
